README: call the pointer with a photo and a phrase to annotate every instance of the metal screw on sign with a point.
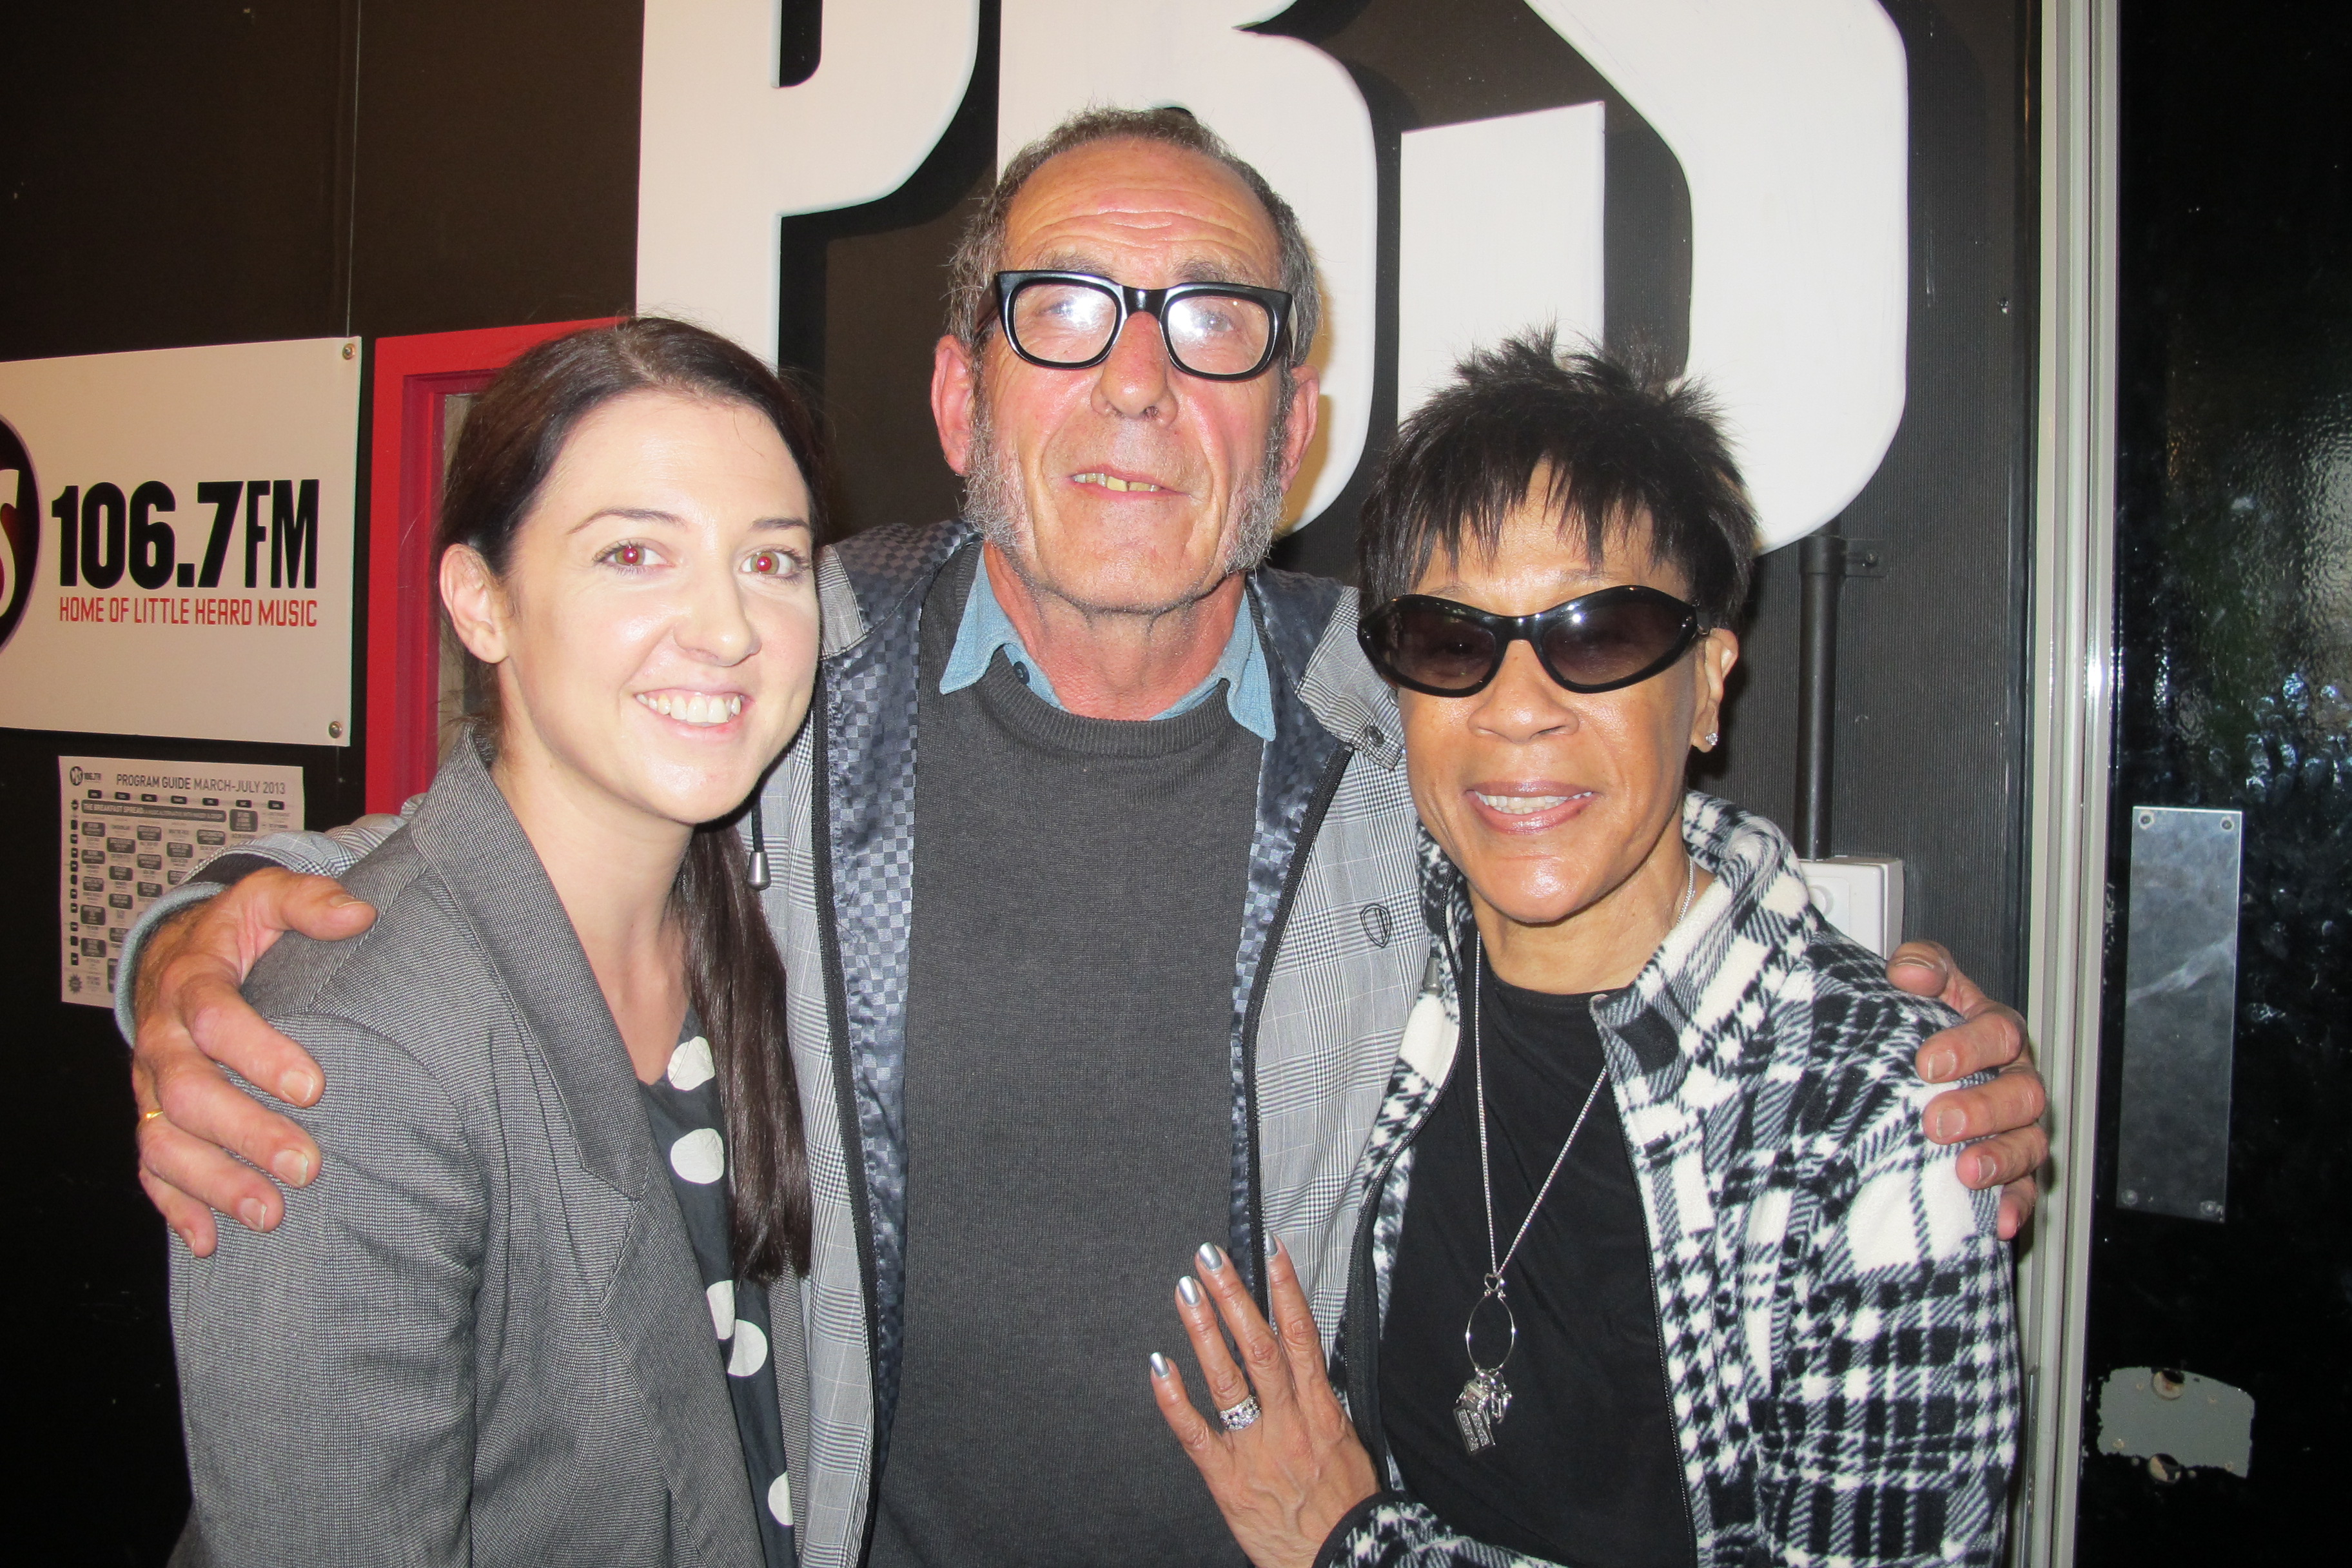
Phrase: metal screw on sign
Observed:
(349, 348)
(335, 729)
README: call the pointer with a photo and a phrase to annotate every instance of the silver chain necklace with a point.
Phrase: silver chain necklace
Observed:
(1486, 1399)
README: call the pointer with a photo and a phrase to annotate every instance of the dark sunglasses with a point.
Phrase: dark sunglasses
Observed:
(1598, 642)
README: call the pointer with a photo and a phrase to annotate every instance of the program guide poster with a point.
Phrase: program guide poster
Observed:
(177, 528)
(129, 830)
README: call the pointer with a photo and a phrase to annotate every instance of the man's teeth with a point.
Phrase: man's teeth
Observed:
(692, 706)
(1523, 805)
(1113, 483)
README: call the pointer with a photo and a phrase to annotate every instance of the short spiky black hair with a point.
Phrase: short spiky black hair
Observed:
(1616, 447)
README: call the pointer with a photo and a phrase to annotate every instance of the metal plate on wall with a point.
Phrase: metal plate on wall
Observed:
(2180, 997)
(2193, 1421)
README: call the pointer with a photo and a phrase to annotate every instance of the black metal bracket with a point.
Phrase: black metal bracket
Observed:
(1822, 565)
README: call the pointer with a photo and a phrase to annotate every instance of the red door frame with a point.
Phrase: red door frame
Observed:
(413, 374)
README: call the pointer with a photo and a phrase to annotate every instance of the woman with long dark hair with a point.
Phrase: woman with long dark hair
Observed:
(523, 1314)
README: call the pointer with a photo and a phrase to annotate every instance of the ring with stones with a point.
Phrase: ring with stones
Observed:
(1245, 1414)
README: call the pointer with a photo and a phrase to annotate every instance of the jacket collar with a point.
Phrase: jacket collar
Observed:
(1745, 922)
(1305, 625)
(469, 835)
(1341, 689)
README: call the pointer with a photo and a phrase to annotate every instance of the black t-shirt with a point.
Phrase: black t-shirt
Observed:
(1069, 1115)
(1585, 1467)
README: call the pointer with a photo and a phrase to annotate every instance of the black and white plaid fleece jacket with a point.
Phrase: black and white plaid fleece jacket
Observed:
(1833, 1305)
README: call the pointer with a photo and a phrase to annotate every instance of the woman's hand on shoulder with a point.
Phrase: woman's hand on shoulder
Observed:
(2001, 1117)
(1285, 1480)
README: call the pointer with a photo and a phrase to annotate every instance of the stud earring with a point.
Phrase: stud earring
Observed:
(1712, 736)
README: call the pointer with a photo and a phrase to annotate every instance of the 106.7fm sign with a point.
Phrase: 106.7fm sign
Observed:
(178, 541)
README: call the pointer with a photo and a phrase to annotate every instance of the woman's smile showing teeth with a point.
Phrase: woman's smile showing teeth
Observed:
(1523, 805)
(701, 708)
(1533, 808)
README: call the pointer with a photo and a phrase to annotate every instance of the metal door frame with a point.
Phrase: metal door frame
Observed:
(2072, 717)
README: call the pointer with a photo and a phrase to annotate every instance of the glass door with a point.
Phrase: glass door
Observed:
(2218, 1348)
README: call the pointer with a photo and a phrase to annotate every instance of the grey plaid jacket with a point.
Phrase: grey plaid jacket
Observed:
(480, 1337)
(1329, 952)
(1836, 1330)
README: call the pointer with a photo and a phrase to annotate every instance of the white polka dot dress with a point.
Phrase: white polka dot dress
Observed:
(683, 1109)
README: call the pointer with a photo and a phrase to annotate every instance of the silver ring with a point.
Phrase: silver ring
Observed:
(1245, 1414)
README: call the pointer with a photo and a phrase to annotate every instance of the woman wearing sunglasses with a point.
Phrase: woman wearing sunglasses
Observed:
(1657, 1266)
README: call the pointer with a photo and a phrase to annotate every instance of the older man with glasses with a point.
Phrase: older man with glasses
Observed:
(1097, 888)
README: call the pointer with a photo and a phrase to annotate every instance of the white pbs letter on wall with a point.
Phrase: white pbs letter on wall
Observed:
(1500, 229)
(1790, 119)
(724, 152)
(1285, 106)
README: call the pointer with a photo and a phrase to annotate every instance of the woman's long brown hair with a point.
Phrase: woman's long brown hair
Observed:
(511, 438)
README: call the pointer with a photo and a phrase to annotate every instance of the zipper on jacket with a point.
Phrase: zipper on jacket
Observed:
(1318, 806)
(1658, 1330)
(852, 1143)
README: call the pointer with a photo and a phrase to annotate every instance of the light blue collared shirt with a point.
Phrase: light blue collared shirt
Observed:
(1249, 695)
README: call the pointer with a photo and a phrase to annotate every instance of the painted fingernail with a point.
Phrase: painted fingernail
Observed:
(297, 1086)
(1189, 1291)
(1159, 1365)
(251, 1214)
(293, 1167)
(1212, 1258)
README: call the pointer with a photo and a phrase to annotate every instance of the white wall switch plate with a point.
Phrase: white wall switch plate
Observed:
(1861, 895)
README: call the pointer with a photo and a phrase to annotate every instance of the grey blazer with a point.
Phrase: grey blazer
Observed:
(480, 1336)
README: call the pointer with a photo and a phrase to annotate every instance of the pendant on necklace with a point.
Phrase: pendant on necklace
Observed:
(1480, 1407)
(1486, 1399)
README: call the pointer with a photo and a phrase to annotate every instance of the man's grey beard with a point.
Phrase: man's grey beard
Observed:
(993, 501)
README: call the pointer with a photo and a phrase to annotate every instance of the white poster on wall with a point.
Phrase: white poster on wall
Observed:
(1789, 123)
(128, 831)
(178, 528)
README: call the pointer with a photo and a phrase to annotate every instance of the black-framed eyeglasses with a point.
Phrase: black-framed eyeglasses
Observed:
(1596, 642)
(1069, 321)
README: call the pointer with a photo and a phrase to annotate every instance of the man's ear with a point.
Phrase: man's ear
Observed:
(476, 605)
(955, 396)
(1298, 429)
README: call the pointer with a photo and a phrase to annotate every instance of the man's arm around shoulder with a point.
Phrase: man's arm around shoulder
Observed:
(179, 1005)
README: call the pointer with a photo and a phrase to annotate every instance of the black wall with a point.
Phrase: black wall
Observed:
(186, 172)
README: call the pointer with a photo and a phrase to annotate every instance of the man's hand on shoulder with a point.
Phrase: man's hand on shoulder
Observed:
(192, 1016)
(2005, 1113)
